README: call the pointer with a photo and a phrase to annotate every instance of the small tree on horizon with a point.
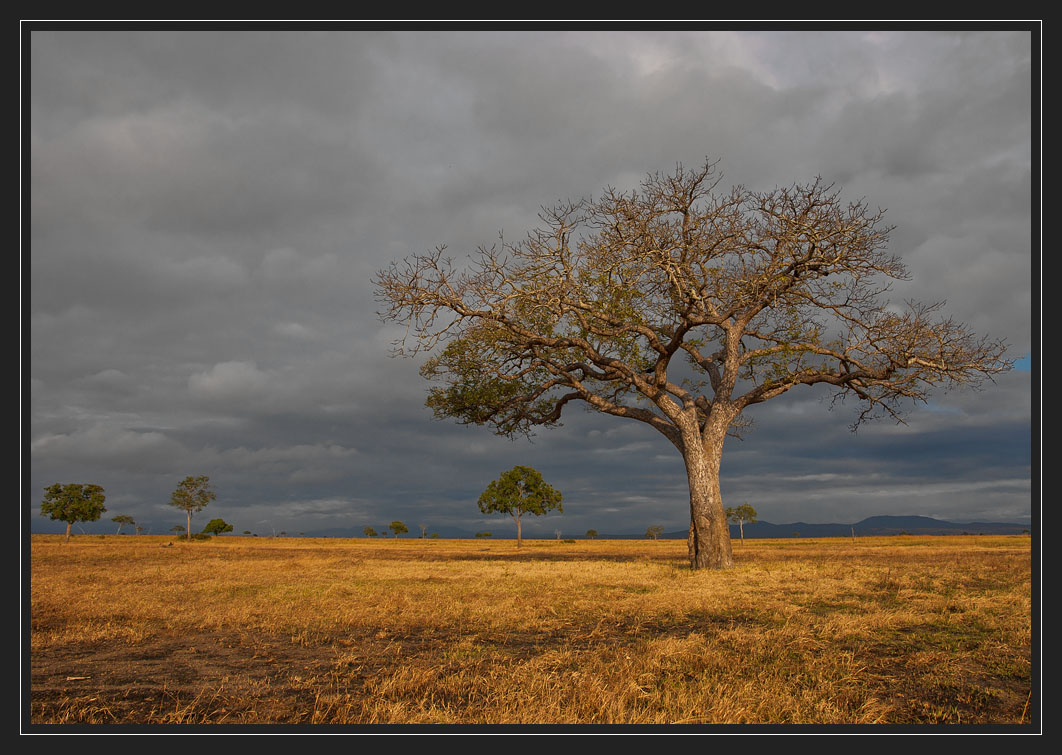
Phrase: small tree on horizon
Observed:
(654, 532)
(74, 502)
(591, 534)
(192, 495)
(398, 528)
(369, 531)
(740, 515)
(520, 491)
(122, 519)
(217, 527)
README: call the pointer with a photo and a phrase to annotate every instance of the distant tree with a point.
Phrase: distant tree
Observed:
(398, 528)
(557, 532)
(740, 515)
(435, 534)
(482, 534)
(591, 534)
(192, 495)
(369, 531)
(247, 532)
(73, 502)
(654, 533)
(139, 530)
(520, 491)
(217, 527)
(122, 519)
(423, 530)
(177, 528)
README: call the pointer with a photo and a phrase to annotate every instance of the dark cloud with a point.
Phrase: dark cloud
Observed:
(209, 207)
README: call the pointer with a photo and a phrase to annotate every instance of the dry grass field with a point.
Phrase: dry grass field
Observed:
(239, 630)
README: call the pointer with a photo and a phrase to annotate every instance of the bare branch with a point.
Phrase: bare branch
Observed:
(760, 291)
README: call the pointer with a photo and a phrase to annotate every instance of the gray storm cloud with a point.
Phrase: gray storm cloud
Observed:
(208, 209)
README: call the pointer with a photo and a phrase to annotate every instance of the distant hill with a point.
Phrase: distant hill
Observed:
(872, 526)
(879, 526)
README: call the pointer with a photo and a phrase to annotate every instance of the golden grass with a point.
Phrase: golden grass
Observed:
(900, 630)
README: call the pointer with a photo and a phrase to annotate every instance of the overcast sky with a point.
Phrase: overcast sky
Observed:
(209, 207)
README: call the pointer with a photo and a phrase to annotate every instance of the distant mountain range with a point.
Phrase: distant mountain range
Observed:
(878, 526)
(874, 526)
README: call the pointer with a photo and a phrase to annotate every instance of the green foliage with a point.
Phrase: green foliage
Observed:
(568, 540)
(654, 533)
(194, 536)
(192, 495)
(122, 519)
(369, 531)
(520, 491)
(398, 528)
(477, 391)
(741, 514)
(72, 503)
(483, 534)
(591, 534)
(217, 527)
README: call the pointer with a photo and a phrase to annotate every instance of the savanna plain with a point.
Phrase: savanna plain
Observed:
(241, 630)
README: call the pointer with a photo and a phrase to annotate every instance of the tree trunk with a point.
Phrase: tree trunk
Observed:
(519, 541)
(709, 536)
(67, 533)
(189, 538)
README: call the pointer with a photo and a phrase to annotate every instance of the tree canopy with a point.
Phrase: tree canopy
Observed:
(520, 491)
(217, 527)
(740, 515)
(191, 496)
(73, 502)
(122, 519)
(679, 305)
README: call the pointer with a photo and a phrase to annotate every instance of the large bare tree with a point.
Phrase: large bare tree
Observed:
(678, 305)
